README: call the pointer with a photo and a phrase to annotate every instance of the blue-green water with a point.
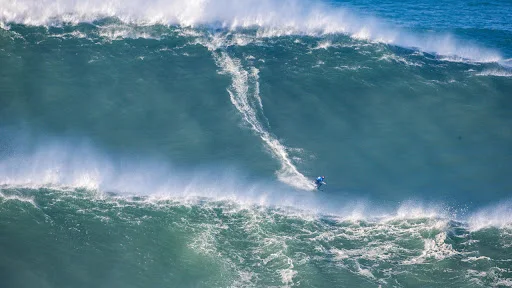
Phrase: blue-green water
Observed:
(174, 144)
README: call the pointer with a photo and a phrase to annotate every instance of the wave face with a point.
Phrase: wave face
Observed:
(175, 143)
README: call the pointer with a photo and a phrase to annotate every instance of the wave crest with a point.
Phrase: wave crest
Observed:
(270, 17)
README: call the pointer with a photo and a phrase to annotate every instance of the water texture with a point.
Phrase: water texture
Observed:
(175, 143)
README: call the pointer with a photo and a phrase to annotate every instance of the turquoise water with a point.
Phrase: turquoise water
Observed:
(174, 144)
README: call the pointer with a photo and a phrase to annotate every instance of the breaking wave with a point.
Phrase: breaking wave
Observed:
(271, 19)
(69, 167)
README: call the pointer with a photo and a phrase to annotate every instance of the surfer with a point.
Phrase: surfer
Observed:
(320, 181)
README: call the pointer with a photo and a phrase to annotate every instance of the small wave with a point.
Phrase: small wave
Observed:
(398, 59)
(495, 72)
(436, 248)
(324, 45)
(74, 34)
(350, 68)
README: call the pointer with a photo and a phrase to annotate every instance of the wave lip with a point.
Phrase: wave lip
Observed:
(271, 18)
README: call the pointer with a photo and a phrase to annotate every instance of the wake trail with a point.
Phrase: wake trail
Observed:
(248, 102)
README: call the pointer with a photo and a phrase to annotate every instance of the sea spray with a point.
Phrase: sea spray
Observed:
(271, 18)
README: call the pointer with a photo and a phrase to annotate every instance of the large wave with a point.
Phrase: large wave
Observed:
(70, 165)
(270, 17)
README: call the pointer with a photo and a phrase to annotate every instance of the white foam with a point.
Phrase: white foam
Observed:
(434, 249)
(4, 197)
(68, 165)
(120, 33)
(71, 165)
(499, 216)
(364, 272)
(495, 72)
(287, 276)
(416, 210)
(244, 94)
(271, 18)
(503, 282)
(74, 34)
(350, 68)
(398, 59)
(382, 242)
(4, 26)
(326, 44)
(479, 258)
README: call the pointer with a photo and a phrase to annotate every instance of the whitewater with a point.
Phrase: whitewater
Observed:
(175, 143)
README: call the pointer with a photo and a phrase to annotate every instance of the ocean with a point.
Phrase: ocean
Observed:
(175, 143)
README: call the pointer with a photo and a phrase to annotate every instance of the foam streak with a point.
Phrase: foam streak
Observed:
(248, 102)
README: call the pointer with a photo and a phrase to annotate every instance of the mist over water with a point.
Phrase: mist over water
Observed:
(175, 144)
